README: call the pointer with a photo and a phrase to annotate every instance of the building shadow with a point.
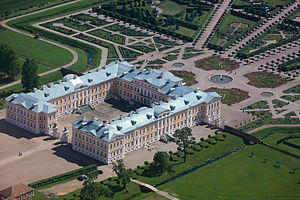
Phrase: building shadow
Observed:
(66, 152)
(15, 131)
(123, 105)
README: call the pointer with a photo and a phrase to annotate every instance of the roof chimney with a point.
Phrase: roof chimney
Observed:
(121, 117)
(150, 70)
(182, 94)
(161, 74)
(35, 89)
(59, 81)
(50, 84)
(75, 76)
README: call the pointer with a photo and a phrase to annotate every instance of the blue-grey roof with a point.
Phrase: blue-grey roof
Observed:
(31, 103)
(143, 116)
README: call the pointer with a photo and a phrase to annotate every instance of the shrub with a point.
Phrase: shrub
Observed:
(146, 162)
(139, 167)
(170, 152)
(100, 172)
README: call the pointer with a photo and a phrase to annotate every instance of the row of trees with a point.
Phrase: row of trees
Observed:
(10, 67)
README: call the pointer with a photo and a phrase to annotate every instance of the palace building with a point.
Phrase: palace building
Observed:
(170, 105)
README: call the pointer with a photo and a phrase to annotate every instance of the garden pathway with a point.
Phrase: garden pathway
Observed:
(213, 22)
(74, 54)
(268, 24)
(162, 193)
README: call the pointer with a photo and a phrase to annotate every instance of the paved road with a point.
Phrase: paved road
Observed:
(74, 54)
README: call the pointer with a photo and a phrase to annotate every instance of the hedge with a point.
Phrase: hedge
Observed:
(266, 48)
(245, 16)
(67, 175)
(284, 66)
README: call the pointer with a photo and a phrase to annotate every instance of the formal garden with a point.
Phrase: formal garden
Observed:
(182, 20)
(257, 105)
(188, 77)
(295, 89)
(278, 104)
(265, 79)
(291, 98)
(108, 36)
(216, 63)
(234, 26)
(230, 96)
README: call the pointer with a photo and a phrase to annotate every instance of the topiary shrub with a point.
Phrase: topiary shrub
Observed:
(146, 162)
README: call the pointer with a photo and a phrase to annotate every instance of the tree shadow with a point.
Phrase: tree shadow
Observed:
(15, 131)
(66, 152)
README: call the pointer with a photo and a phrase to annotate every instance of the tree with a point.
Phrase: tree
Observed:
(122, 173)
(162, 161)
(90, 191)
(8, 62)
(30, 78)
(183, 139)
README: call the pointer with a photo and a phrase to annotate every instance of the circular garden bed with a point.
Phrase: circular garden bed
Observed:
(230, 96)
(265, 79)
(188, 77)
(216, 63)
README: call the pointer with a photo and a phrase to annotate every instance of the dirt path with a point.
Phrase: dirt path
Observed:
(74, 54)
(162, 193)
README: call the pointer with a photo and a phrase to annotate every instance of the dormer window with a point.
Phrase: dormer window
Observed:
(149, 116)
(66, 88)
(172, 107)
(46, 94)
(133, 122)
(119, 128)
(90, 80)
(108, 73)
(186, 102)
(198, 97)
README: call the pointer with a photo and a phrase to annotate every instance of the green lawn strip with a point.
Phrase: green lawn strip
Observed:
(127, 53)
(290, 114)
(267, 120)
(241, 176)
(190, 55)
(125, 31)
(157, 61)
(151, 196)
(88, 18)
(273, 37)
(170, 57)
(164, 48)
(257, 105)
(164, 41)
(274, 130)
(295, 89)
(142, 48)
(199, 157)
(174, 51)
(11, 8)
(290, 65)
(112, 53)
(58, 28)
(278, 104)
(291, 98)
(274, 138)
(153, 67)
(41, 51)
(82, 64)
(108, 36)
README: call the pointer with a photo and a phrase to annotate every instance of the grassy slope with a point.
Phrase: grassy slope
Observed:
(42, 52)
(171, 8)
(230, 143)
(239, 176)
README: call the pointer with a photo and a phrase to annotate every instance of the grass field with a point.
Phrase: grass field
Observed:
(42, 52)
(240, 176)
(171, 8)
(202, 155)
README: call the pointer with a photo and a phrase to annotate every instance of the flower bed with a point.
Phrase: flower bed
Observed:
(216, 63)
(188, 77)
(265, 79)
(230, 96)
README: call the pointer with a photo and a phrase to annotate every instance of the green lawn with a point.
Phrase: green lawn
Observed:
(291, 98)
(171, 8)
(257, 105)
(42, 52)
(240, 176)
(197, 158)
(277, 103)
(272, 140)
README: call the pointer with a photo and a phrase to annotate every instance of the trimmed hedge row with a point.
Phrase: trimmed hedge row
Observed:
(71, 174)
(266, 48)
(284, 66)
(245, 16)
(140, 23)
